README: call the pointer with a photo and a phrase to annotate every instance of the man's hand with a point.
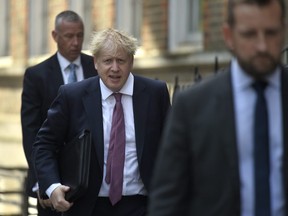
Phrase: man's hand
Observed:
(58, 199)
(45, 203)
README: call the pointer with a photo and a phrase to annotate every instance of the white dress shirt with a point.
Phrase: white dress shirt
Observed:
(64, 65)
(244, 101)
(132, 183)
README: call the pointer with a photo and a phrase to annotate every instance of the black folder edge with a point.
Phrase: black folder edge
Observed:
(84, 140)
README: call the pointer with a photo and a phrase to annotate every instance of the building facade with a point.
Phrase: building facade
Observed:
(180, 42)
(174, 36)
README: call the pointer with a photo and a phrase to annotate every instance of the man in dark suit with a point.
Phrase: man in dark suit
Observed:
(42, 81)
(89, 105)
(209, 162)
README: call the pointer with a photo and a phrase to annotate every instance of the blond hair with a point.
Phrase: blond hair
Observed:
(112, 39)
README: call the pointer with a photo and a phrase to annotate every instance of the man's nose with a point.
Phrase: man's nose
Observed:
(261, 43)
(115, 65)
(75, 40)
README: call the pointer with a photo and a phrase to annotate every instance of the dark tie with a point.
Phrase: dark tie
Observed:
(116, 152)
(72, 73)
(261, 153)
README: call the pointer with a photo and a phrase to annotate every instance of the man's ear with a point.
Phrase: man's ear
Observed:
(227, 36)
(95, 63)
(54, 35)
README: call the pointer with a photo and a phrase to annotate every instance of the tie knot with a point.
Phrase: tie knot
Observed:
(72, 66)
(117, 96)
(260, 86)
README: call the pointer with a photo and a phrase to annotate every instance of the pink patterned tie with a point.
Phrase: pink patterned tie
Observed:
(116, 152)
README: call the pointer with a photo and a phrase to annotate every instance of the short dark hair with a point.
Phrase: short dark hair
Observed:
(67, 15)
(233, 3)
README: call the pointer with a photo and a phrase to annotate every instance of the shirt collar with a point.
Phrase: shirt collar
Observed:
(242, 80)
(64, 63)
(127, 88)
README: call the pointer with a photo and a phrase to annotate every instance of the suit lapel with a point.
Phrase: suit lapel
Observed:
(52, 78)
(93, 108)
(55, 71)
(140, 108)
(227, 136)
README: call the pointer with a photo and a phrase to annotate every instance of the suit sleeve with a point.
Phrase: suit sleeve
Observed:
(49, 141)
(31, 121)
(170, 183)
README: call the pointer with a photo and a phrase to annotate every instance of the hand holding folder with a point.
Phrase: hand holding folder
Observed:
(74, 163)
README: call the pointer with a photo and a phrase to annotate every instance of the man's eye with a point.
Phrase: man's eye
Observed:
(80, 35)
(69, 36)
(272, 32)
(107, 61)
(248, 34)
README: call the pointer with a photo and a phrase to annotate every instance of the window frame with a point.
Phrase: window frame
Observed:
(129, 17)
(38, 27)
(5, 23)
(181, 39)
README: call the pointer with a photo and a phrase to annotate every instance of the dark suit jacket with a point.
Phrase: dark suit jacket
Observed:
(197, 172)
(78, 106)
(40, 85)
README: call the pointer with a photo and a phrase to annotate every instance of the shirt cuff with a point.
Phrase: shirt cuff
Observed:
(36, 187)
(51, 189)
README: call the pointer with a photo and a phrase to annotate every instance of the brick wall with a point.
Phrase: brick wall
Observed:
(213, 17)
(154, 31)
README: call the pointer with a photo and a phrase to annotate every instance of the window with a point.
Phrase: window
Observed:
(4, 22)
(185, 27)
(83, 8)
(38, 27)
(129, 16)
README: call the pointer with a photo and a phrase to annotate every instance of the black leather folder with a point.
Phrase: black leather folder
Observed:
(74, 165)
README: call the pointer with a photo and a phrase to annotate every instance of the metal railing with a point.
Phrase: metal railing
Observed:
(198, 77)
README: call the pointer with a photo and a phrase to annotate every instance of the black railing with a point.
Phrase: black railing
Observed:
(177, 85)
(197, 77)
